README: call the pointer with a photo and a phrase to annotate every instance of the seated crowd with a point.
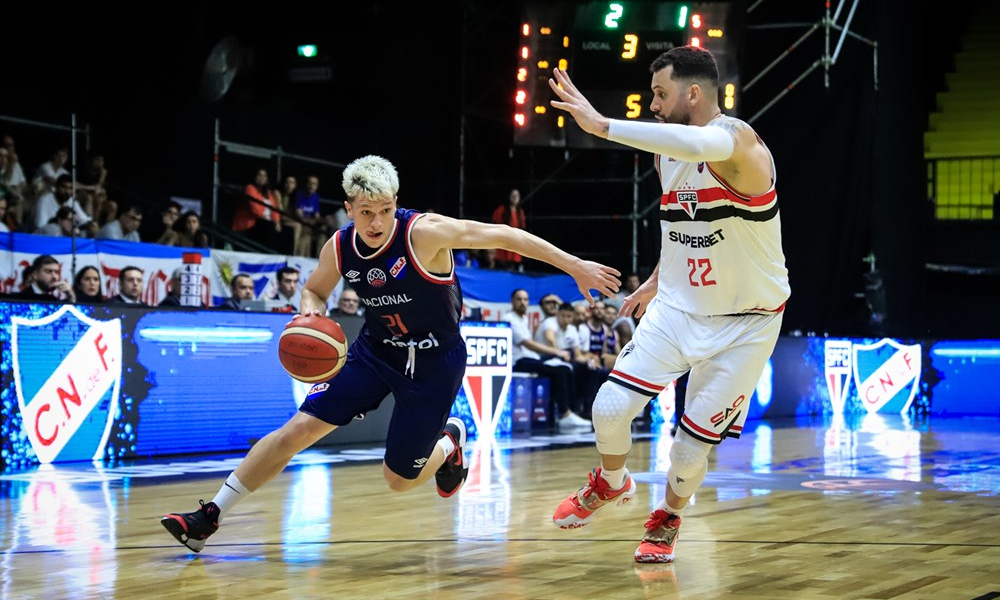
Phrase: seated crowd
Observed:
(43, 281)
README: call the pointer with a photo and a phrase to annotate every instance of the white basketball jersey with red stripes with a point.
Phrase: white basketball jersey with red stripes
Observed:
(721, 251)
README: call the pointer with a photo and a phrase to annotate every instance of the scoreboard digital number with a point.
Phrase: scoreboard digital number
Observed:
(607, 48)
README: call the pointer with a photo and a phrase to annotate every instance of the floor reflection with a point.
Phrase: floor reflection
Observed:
(872, 453)
(51, 516)
(484, 501)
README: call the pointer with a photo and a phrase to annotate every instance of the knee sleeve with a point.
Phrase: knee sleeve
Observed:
(688, 464)
(612, 413)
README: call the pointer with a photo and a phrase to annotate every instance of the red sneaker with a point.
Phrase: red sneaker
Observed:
(658, 544)
(579, 508)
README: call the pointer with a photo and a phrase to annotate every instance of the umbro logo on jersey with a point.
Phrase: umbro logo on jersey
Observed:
(352, 276)
(688, 201)
(376, 278)
(419, 463)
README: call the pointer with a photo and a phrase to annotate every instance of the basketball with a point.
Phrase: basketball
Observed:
(312, 348)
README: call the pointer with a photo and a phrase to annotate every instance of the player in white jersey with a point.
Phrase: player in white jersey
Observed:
(713, 305)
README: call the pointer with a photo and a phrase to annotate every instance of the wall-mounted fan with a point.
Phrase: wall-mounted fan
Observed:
(221, 67)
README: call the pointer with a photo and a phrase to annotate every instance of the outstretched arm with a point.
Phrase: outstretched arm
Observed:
(683, 142)
(434, 235)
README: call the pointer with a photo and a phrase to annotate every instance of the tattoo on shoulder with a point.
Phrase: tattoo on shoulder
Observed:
(732, 125)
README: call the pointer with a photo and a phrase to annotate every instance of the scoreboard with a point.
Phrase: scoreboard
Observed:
(607, 48)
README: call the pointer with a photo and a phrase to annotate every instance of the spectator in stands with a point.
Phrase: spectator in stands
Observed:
(87, 285)
(348, 304)
(3, 216)
(333, 219)
(48, 204)
(161, 230)
(61, 225)
(286, 202)
(513, 215)
(240, 289)
(604, 342)
(129, 287)
(257, 217)
(91, 188)
(288, 288)
(46, 282)
(125, 227)
(561, 332)
(549, 304)
(173, 290)
(13, 187)
(307, 209)
(189, 232)
(48, 173)
(526, 356)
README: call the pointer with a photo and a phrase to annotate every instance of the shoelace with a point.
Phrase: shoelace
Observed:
(657, 519)
(594, 484)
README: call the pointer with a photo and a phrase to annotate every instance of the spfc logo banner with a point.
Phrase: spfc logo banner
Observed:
(68, 371)
(837, 372)
(487, 375)
(887, 374)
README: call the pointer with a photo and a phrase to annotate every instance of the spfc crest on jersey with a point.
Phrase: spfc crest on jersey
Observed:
(688, 201)
(68, 371)
(887, 374)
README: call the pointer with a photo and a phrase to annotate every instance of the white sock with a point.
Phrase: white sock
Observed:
(230, 494)
(670, 509)
(615, 478)
(446, 444)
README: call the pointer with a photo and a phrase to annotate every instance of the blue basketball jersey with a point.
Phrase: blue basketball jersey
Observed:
(405, 304)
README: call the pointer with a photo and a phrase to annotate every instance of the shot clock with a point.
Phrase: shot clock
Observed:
(607, 48)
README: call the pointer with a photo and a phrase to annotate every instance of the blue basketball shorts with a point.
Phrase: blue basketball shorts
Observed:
(422, 403)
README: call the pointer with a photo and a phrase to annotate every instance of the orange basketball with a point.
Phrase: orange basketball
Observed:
(312, 348)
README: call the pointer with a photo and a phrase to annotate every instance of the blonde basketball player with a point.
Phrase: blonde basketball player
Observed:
(713, 305)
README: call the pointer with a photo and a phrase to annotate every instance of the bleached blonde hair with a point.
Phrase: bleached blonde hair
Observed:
(370, 177)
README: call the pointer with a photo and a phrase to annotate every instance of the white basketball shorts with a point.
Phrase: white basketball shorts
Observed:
(725, 354)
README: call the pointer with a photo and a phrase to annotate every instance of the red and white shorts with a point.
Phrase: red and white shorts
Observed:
(725, 354)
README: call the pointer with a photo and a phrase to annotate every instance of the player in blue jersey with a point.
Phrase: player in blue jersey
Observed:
(400, 263)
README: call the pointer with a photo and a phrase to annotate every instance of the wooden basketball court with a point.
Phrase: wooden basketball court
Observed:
(881, 509)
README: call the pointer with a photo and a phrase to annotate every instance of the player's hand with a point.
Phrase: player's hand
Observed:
(573, 102)
(636, 303)
(595, 276)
